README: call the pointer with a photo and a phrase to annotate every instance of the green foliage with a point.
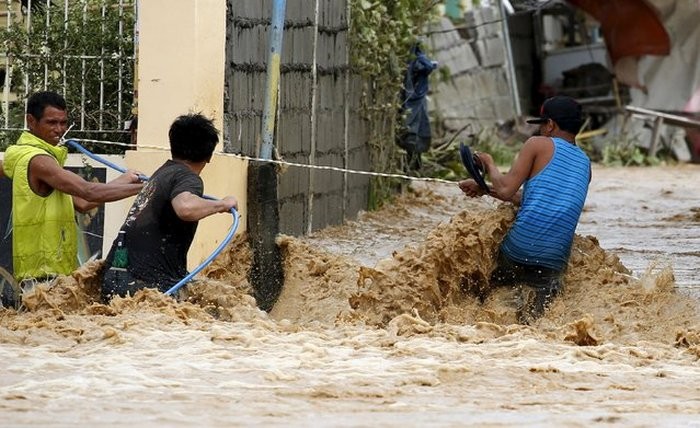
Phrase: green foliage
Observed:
(81, 51)
(444, 74)
(622, 150)
(627, 155)
(487, 141)
(381, 35)
(444, 161)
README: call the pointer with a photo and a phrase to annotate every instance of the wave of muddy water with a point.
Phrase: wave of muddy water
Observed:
(388, 321)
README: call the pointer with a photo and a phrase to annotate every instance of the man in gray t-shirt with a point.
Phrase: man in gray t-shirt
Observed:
(151, 249)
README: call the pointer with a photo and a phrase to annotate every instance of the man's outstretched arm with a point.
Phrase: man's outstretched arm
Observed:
(190, 207)
(45, 171)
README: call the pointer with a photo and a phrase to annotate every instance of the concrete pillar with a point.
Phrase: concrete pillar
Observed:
(180, 64)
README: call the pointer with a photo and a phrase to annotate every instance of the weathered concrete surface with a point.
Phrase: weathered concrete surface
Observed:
(477, 91)
(318, 119)
(318, 123)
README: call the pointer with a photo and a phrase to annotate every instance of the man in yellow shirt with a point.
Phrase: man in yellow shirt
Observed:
(45, 196)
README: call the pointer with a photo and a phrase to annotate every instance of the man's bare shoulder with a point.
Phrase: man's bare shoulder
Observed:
(44, 162)
(538, 144)
(537, 140)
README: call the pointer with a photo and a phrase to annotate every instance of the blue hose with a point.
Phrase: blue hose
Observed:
(214, 254)
(93, 156)
(209, 259)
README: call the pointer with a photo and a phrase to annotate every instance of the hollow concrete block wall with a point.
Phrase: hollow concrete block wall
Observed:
(318, 122)
(477, 91)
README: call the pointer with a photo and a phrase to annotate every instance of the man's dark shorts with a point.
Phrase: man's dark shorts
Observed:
(509, 272)
(537, 286)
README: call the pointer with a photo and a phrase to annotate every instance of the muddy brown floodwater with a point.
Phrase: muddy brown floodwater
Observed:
(380, 324)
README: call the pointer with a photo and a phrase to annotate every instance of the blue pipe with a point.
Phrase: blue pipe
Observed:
(214, 254)
(209, 259)
(100, 159)
(273, 77)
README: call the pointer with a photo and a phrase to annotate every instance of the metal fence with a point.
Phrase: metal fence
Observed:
(83, 49)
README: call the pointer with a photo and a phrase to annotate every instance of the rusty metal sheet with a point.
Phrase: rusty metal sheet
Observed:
(630, 27)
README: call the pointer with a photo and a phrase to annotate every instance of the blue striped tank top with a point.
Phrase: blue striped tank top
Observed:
(551, 205)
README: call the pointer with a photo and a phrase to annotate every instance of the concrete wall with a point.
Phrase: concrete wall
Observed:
(478, 91)
(180, 63)
(318, 119)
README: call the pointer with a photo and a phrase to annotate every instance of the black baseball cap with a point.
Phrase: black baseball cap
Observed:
(565, 111)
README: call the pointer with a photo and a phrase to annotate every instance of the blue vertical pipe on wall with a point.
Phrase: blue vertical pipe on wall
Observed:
(273, 78)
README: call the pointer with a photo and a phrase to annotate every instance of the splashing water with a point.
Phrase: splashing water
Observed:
(387, 320)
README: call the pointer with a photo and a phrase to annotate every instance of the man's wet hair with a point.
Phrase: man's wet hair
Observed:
(37, 103)
(193, 138)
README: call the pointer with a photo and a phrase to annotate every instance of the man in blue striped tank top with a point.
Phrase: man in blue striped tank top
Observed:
(554, 174)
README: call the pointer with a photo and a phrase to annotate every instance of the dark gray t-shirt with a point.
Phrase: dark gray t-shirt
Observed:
(157, 240)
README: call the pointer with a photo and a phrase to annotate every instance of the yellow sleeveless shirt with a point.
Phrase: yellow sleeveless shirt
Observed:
(44, 238)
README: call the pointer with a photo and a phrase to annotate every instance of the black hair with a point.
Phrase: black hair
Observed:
(37, 103)
(193, 138)
(572, 126)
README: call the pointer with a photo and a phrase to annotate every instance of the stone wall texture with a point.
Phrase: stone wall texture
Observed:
(478, 91)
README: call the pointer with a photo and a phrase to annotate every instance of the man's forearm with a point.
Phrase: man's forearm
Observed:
(497, 184)
(99, 192)
(197, 208)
